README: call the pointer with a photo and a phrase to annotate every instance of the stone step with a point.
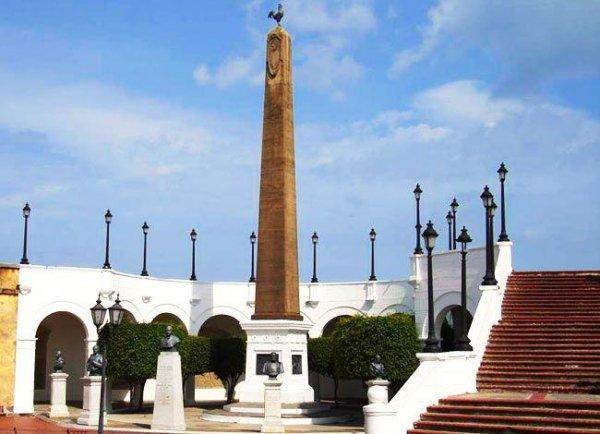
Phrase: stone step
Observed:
(528, 373)
(514, 419)
(320, 418)
(530, 410)
(474, 427)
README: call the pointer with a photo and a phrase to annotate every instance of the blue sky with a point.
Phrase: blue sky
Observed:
(153, 109)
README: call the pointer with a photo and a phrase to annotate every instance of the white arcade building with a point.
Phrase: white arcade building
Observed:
(53, 312)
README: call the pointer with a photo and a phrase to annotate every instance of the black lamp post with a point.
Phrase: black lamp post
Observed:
(417, 192)
(115, 317)
(463, 343)
(488, 199)
(145, 229)
(26, 214)
(502, 171)
(493, 208)
(107, 218)
(252, 242)
(372, 236)
(449, 220)
(432, 344)
(193, 236)
(315, 240)
(454, 207)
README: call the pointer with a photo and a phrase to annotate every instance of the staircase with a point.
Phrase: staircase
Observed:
(540, 372)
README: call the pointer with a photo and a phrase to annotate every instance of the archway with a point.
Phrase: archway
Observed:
(65, 332)
(128, 317)
(168, 318)
(332, 324)
(450, 326)
(222, 326)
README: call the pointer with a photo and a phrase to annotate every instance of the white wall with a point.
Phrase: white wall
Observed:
(45, 290)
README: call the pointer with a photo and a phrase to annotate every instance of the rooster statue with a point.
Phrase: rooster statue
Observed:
(277, 16)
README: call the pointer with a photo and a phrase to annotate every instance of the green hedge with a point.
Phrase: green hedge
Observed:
(322, 361)
(358, 339)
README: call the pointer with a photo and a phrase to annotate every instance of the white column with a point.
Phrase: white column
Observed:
(379, 417)
(272, 422)
(24, 375)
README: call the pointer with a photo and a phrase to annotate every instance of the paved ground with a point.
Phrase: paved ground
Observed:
(140, 422)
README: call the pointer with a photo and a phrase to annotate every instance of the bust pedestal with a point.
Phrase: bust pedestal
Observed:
(58, 395)
(378, 416)
(287, 338)
(91, 401)
(272, 421)
(168, 412)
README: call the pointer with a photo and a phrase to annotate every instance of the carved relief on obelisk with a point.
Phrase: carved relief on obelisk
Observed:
(277, 269)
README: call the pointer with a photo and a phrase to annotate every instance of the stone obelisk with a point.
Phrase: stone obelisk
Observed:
(277, 325)
(277, 269)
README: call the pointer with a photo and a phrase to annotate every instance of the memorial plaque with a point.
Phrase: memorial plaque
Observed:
(296, 364)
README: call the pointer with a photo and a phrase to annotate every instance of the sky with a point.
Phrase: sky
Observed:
(154, 110)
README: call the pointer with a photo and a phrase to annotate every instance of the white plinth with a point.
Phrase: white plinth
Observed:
(91, 401)
(378, 391)
(58, 395)
(272, 421)
(168, 399)
(287, 339)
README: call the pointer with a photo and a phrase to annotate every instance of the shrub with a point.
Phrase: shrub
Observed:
(195, 354)
(358, 339)
(228, 362)
(321, 360)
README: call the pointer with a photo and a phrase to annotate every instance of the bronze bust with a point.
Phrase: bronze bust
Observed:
(59, 363)
(273, 367)
(95, 362)
(170, 341)
(377, 369)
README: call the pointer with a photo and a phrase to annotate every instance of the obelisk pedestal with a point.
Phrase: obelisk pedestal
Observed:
(168, 412)
(277, 325)
(58, 395)
(91, 401)
(272, 423)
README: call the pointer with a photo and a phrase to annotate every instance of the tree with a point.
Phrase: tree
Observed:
(321, 360)
(358, 339)
(195, 352)
(228, 362)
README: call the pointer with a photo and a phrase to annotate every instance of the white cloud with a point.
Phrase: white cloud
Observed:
(337, 16)
(535, 41)
(131, 134)
(232, 71)
(465, 101)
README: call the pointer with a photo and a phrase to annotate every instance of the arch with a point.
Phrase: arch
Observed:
(80, 312)
(168, 318)
(396, 308)
(221, 326)
(181, 315)
(332, 324)
(444, 303)
(317, 329)
(449, 321)
(133, 311)
(232, 312)
(66, 332)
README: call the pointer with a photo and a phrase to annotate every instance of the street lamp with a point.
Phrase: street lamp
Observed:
(417, 192)
(315, 240)
(26, 214)
(115, 317)
(252, 242)
(488, 199)
(502, 171)
(463, 343)
(454, 207)
(193, 236)
(372, 236)
(145, 229)
(432, 344)
(449, 220)
(107, 218)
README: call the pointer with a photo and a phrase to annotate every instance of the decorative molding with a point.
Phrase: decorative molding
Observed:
(23, 290)
(195, 301)
(107, 294)
(12, 291)
(146, 298)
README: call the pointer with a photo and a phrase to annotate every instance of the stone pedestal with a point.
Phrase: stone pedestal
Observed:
(379, 417)
(287, 339)
(91, 401)
(58, 395)
(272, 421)
(168, 412)
(378, 391)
